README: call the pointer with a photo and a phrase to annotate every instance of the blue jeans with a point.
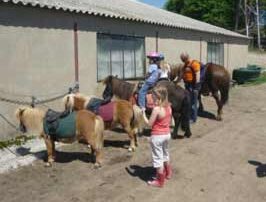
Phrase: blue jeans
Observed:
(142, 94)
(194, 100)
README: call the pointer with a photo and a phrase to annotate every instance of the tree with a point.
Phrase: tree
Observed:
(174, 5)
(237, 15)
(219, 13)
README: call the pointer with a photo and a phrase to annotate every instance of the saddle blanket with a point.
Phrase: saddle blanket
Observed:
(106, 111)
(60, 127)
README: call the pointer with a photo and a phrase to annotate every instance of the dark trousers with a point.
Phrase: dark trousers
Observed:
(194, 93)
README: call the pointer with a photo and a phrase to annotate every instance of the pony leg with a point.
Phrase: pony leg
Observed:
(219, 105)
(50, 150)
(177, 123)
(98, 160)
(201, 108)
(133, 139)
(98, 156)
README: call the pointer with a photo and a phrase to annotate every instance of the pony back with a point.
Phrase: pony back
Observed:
(76, 101)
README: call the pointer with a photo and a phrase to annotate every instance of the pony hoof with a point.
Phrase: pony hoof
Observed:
(219, 118)
(97, 165)
(131, 149)
(188, 135)
(48, 164)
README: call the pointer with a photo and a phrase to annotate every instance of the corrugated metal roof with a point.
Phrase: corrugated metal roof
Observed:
(128, 10)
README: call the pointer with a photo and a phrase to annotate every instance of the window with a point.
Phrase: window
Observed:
(123, 56)
(215, 53)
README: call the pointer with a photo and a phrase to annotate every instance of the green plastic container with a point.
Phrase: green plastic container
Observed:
(243, 74)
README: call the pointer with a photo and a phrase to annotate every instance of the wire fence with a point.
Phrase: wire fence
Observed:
(33, 102)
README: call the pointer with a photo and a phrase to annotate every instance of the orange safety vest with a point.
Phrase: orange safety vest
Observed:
(189, 74)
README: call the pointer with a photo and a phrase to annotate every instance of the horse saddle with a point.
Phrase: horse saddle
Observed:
(94, 105)
(149, 99)
(60, 124)
(103, 108)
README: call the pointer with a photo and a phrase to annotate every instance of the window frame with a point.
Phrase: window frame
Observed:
(122, 37)
(217, 52)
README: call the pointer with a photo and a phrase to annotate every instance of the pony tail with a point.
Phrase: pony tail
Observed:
(99, 129)
(185, 113)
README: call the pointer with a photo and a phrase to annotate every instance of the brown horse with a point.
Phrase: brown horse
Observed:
(216, 80)
(178, 97)
(87, 126)
(122, 112)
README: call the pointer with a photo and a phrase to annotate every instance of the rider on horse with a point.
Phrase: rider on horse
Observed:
(191, 74)
(151, 78)
(164, 69)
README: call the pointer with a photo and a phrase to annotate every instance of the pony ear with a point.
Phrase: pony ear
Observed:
(108, 79)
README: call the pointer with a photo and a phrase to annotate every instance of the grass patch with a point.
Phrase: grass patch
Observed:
(260, 80)
(15, 141)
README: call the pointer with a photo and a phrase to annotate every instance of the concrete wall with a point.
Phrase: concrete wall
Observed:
(235, 56)
(37, 52)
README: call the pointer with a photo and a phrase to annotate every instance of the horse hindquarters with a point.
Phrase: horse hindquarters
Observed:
(90, 127)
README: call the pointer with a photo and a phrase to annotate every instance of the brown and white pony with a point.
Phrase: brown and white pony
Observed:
(216, 80)
(123, 113)
(89, 128)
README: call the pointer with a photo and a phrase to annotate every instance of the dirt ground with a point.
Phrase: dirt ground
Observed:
(222, 161)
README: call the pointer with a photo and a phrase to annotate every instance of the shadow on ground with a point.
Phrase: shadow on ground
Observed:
(207, 115)
(143, 173)
(260, 168)
(23, 151)
(116, 143)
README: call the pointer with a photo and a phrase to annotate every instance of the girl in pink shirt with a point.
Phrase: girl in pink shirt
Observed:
(160, 135)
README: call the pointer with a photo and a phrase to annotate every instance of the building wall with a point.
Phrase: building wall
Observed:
(37, 52)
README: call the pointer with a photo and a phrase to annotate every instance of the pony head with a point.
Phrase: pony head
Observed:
(68, 101)
(108, 91)
(76, 101)
(30, 120)
(19, 113)
(139, 121)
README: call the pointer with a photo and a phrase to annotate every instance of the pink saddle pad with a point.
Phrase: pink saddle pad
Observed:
(106, 111)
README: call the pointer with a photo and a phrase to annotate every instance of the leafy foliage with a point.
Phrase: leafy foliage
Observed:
(219, 13)
(222, 13)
